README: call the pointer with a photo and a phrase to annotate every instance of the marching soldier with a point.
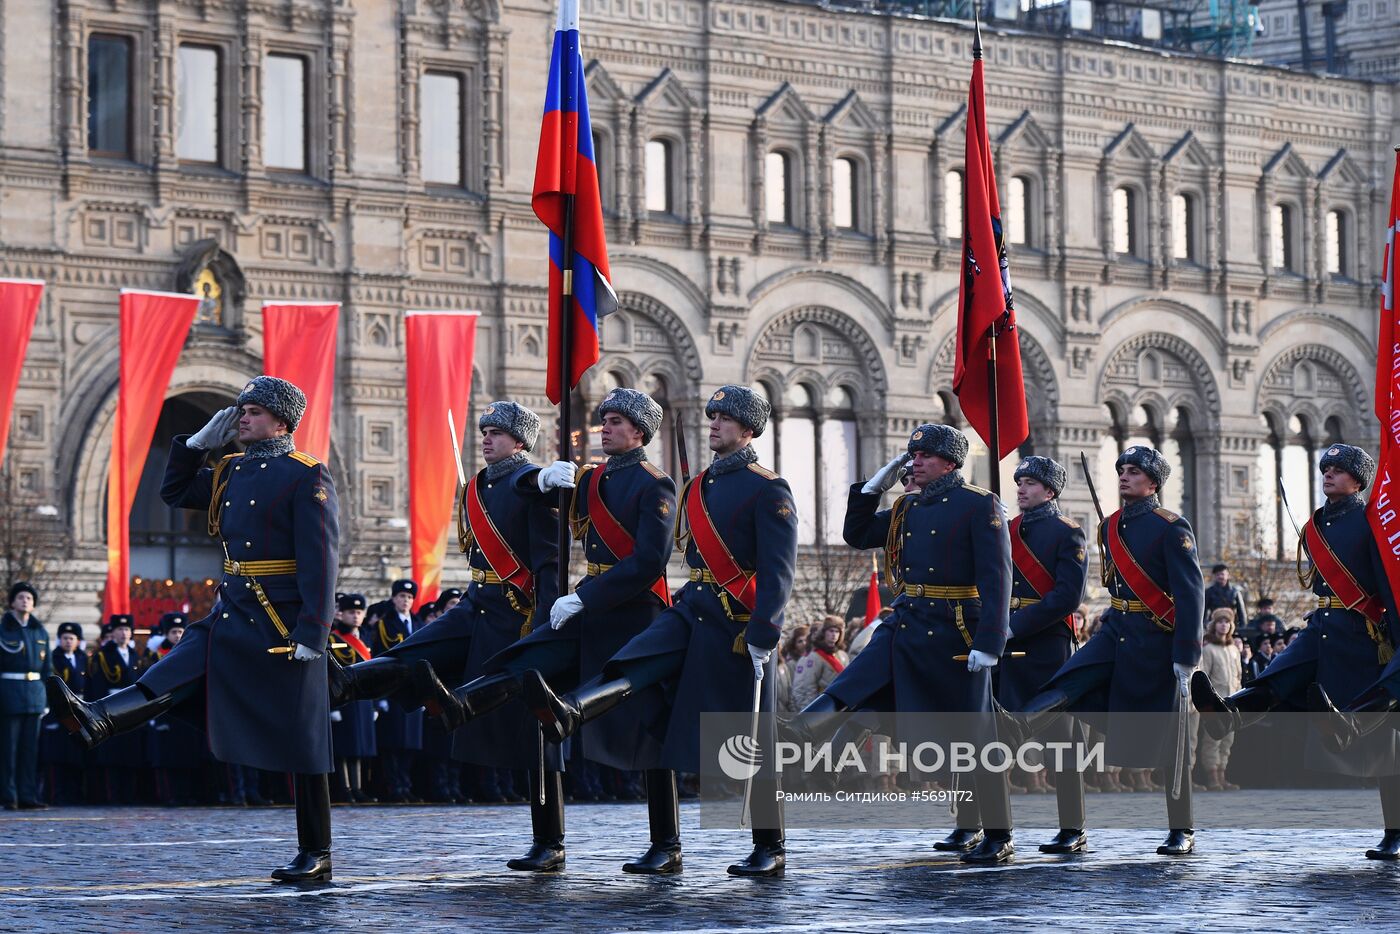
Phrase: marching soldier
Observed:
(24, 663)
(399, 729)
(1049, 566)
(1140, 661)
(507, 521)
(258, 658)
(60, 757)
(1345, 646)
(352, 726)
(623, 512)
(949, 557)
(738, 527)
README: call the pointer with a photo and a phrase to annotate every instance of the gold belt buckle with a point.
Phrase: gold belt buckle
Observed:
(237, 568)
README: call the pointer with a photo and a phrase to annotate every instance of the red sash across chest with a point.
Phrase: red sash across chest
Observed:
(1035, 573)
(1337, 577)
(493, 545)
(740, 584)
(619, 542)
(1158, 601)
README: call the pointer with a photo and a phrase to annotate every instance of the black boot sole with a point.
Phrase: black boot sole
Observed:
(655, 863)
(1061, 849)
(542, 703)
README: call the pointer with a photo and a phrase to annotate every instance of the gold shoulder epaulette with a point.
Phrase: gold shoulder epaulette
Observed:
(229, 457)
(1166, 514)
(304, 458)
(763, 472)
(1069, 522)
(980, 491)
(654, 470)
(582, 471)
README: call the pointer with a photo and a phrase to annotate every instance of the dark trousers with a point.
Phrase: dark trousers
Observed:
(19, 758)
(1081, 681)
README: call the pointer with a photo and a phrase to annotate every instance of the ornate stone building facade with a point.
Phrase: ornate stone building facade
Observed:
(1195, 242)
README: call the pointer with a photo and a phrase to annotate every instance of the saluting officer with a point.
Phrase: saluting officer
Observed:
(24, 663)
(399, 729)
(949, 558)
(738, 527)
(623, 512)
(508, 523)
(352, 726)
(275, 512)
(1141, 660)
(1049, 566)
(1345, 646)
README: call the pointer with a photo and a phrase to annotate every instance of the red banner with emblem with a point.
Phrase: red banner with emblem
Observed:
(440, 349)
(1384, 507)
(19, 306)
(299, 346)
(153, 329)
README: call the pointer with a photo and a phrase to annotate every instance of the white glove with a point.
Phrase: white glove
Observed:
(336, 716)
(977, 660)
(221, 430)
(887, 476)
(759, 657)
(1183, 678)
(557, 474)
(373, 716)
(564, 609)
(383, 706)
(304, 654)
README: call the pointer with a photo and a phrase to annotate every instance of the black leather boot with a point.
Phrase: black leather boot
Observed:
(99, 720)
(484, 695)
(1226, 714)
(560, 716)
(769, 856)
(1016, 728)
(995, 847)
(313, 810)
(385, 676)
(961, 840)
(1388, 848)
(546, 853)
(1338, 729)
(813, 724)
(1178, 843)
(663, 857)
(1066, 841)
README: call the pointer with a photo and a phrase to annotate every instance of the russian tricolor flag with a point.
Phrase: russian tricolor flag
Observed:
(565, 168)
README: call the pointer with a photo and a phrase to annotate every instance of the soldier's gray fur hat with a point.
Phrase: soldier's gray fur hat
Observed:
(1048, 472)
(637, 407)
(742, 404)
(514, 419)
(1149, 460)
(281, 398)
(1351, 459)
(940, 441)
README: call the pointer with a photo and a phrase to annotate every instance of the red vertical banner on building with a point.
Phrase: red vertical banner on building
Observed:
(19, 307)
(1384, 507)
(154, 326)
(441, 346)
(299, 340)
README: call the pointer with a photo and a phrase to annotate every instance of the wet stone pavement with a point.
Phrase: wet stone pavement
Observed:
(442, 869)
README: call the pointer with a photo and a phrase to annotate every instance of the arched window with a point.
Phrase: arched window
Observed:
(1015, 213)
(777, 188)
(440, 128)
(1184, 227)
(766, 444)
(797, 447)
(1125, 222)
(659, 177)
(843, 194)
(1338, 260)
(839, 465)
(1281, 225)
(953, 205)
(603, 164)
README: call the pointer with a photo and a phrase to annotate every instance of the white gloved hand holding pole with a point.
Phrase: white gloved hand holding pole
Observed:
(1183, 678)
(759, 657)
(564, 609)
(221, 430)
(977, 660)
(305, 654)
(556, 475)
(887, 476)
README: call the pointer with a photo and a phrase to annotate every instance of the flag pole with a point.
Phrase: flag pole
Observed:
(566, 349)
(994, 434)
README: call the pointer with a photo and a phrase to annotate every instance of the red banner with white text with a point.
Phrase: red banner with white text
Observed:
(440, 348)
(19, 306)
(299, 346)
(1384, 507)
(154, 326)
